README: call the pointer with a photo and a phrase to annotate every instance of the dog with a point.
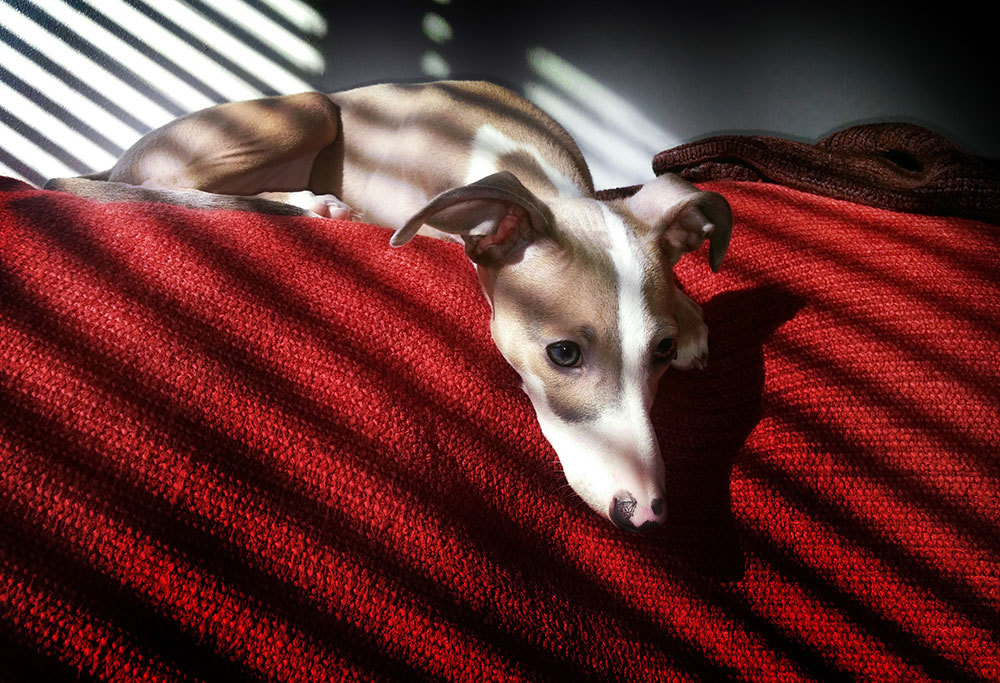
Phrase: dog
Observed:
(584, 303)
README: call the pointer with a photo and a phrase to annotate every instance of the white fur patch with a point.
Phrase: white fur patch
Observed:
(635, 323)
(391, 200)
(489, 144)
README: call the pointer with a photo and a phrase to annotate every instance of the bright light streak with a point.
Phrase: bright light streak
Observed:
(42, 103)
(605, 104)
(69, 99)
(434, 65)
(194, 23)
(32, 155)
(614, 159)
(301, 15)
(436, 28)
(178, 51)
(84, 68)
(55, 130)
(168, 84)
(297, 51)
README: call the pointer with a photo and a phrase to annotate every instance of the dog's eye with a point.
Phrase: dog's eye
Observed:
(665, 351)
(564, 353)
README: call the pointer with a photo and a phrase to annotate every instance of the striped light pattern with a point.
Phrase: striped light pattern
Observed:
(617, 140)
(81, 80)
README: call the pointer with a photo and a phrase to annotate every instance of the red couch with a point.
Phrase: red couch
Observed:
(236, 446)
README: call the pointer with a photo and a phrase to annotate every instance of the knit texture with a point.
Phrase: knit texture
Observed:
(895, 166)
(236, 446)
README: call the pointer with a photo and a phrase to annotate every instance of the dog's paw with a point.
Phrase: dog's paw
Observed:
(329, 206)
(692, 339)
(692, 347)
(322, 205)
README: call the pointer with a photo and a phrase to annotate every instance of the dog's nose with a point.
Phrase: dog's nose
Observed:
(627, 514)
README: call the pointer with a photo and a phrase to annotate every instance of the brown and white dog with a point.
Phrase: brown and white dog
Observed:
(584, 303)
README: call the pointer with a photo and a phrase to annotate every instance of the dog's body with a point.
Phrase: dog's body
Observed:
(584, 303)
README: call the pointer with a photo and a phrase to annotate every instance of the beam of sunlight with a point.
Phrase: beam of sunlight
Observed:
(178, 51)
(55, 130)
(95, 98)
(32, 155)
(826, 624)
(299, 14)
(436, 28)
(84, 68)
(279, 78)
(287, 44)
(598, 118)
(111, 127)
(614, 159)
(434, 65)
(162, 80)
(799, 533)
(605, 103)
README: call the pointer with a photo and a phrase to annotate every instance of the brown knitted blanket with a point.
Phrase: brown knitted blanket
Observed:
(897, 166)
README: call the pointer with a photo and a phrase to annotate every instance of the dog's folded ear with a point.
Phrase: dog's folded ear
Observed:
(684, 216)
(495, 216)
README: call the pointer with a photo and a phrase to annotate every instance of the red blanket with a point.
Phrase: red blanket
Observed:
(237, 446)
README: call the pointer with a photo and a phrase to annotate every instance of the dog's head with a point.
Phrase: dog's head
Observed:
(582, 293)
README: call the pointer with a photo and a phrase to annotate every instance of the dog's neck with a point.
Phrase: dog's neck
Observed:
(491, 151)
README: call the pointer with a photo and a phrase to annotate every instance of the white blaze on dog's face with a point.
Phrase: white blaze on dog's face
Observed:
(587, 323)
(582, 294)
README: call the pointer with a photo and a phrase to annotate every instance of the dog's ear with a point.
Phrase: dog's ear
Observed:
(495, 216)
(683, 217)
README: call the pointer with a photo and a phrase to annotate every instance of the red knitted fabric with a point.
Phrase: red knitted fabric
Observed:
(236, 446)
